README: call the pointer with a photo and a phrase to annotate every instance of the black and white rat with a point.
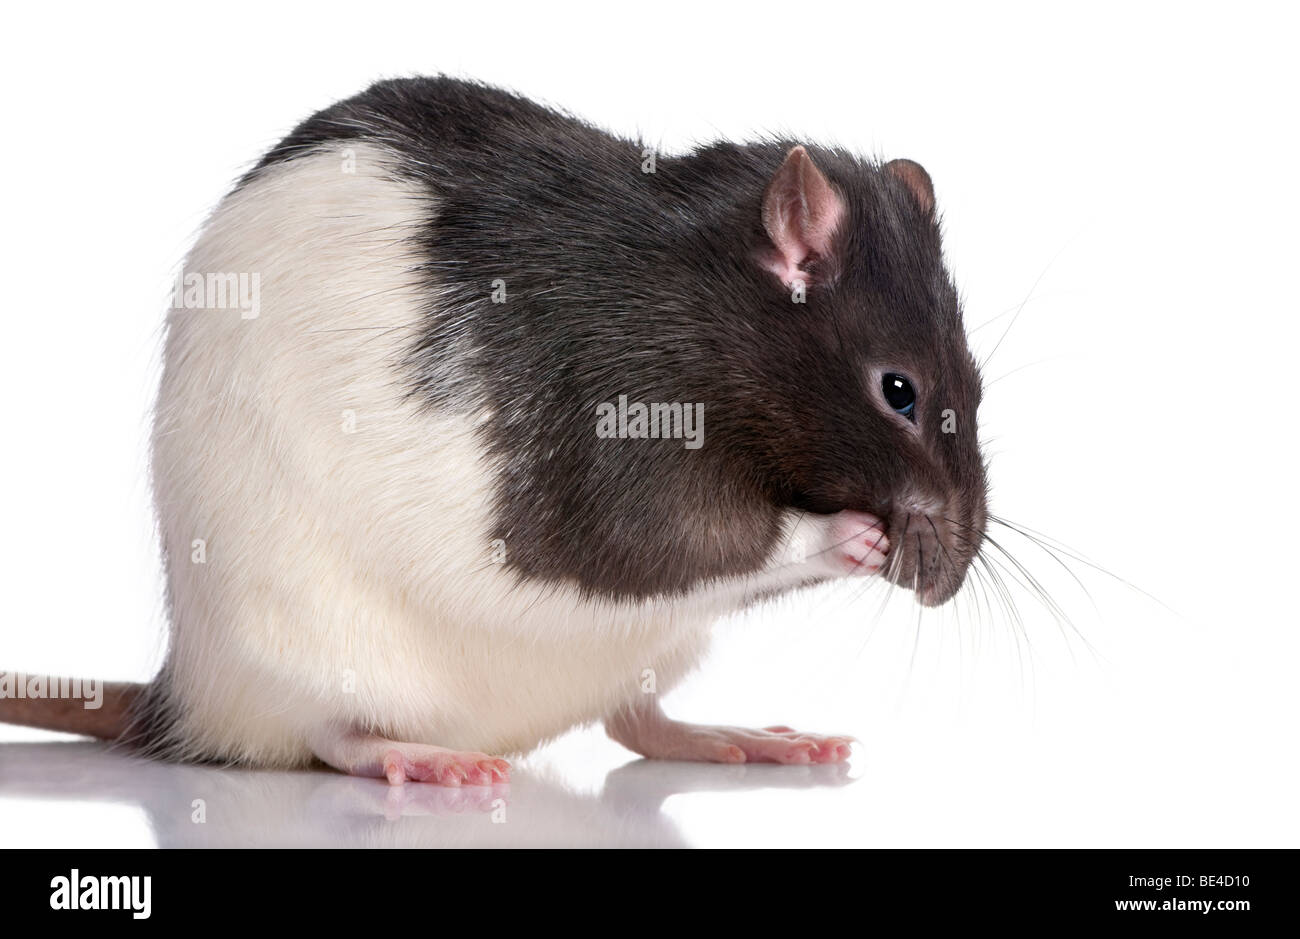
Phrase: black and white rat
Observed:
(474, 418)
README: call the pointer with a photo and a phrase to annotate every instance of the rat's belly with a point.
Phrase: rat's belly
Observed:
(465, 658)
(506, 687)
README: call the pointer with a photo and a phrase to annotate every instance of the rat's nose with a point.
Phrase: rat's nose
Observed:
(928, 558)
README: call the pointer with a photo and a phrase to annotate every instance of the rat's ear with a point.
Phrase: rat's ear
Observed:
(916, 179)
(801, 211)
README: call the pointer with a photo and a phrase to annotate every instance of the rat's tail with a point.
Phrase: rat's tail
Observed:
(107, 710)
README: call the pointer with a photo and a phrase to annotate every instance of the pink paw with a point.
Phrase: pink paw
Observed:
(859, 542)
(782, 744)
(444, 767)
(772, 745)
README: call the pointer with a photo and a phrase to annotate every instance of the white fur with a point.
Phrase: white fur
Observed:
(348, 579)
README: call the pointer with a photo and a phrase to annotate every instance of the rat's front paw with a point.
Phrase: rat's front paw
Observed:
(858, 543)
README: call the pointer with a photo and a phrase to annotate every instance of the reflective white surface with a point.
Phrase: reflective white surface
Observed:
(240, 808)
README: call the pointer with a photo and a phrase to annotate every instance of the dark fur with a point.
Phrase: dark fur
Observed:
(647, 285)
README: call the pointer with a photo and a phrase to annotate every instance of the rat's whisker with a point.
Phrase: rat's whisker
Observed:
(1030, 581)
(916, 583)
(1026, 581)
(1071, 553)
(981, 582)
(1055, 556)
(1019, 368)
(1013, 614)
(1028, 296)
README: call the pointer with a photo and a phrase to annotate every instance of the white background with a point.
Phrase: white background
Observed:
(1123, 175)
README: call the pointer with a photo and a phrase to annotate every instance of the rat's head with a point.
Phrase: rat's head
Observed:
(872, 389)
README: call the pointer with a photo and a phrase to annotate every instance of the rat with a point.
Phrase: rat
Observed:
(474, 418)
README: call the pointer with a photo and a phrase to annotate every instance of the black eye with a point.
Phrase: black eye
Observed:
(899, 393)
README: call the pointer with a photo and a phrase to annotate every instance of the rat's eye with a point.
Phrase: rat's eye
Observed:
(899, 393)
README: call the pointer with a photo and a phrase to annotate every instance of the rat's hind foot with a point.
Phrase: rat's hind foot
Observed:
(646, 730)
(361, 754)
(424, 763)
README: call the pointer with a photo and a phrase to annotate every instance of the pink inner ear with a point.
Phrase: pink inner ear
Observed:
(801, 211)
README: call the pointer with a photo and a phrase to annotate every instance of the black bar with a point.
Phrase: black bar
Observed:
(1230, 888)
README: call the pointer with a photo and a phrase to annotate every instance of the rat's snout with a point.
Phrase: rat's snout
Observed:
(933, 545)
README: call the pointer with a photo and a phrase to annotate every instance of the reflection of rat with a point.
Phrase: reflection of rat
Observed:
(412, 480)
(316, 810)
